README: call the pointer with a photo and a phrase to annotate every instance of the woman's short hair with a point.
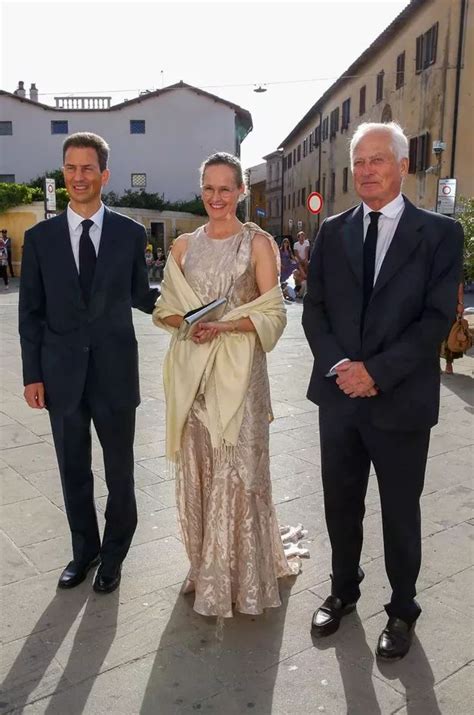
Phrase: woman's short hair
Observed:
(399, 141)
(226, 159)
(89, 140)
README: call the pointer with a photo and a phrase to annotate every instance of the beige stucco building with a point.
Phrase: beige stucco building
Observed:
(162, 227)
(420, 73)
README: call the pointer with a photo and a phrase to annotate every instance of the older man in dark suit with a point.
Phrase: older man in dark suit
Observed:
(82, 272)
(382, 290)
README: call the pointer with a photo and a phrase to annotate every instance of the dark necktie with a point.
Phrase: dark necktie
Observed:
(370, 249)
(87, 260)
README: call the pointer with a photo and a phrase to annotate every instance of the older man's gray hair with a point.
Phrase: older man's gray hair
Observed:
(399, 142)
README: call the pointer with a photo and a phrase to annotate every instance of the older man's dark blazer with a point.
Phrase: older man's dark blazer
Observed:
(411, 309)
(62, 339)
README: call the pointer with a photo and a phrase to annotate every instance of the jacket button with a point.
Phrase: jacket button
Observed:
(85, 349)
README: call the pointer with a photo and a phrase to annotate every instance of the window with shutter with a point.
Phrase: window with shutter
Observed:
(412, 152)
(362, 94)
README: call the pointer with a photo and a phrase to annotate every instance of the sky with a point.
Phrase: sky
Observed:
(295, 50)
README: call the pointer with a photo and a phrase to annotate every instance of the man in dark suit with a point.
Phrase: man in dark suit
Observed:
(82, 272)
(381, 297)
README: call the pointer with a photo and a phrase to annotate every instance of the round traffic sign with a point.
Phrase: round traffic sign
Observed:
(314, 202)
(446, 190)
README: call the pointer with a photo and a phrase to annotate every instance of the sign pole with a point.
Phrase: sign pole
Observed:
(49, 197)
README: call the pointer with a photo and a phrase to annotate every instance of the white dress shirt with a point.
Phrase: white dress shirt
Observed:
(387, 225)
(75, 230)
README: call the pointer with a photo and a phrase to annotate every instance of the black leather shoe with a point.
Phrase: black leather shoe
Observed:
(328, 616)
(395, 639)
(107, 584)
(74, 574)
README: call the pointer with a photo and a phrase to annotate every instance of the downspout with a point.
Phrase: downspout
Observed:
(319, 159)
(282, 190)
(458, 85)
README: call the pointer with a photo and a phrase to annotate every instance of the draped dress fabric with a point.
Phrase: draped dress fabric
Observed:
(225, 507)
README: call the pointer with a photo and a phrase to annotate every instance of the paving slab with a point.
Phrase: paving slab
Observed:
(143, 650)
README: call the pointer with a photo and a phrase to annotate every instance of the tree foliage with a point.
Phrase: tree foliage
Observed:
(55, 174)
(14, 195)
(466, 219)
(156, 202)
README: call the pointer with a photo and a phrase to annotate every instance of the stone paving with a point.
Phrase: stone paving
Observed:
(142, 650)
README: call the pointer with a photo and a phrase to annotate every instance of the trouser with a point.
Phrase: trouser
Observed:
(4, 274)
(348, 445)
(72, 439)
(10, 266)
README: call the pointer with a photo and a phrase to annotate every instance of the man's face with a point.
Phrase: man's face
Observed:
(301, 237)
(377, 173)
(82, 175)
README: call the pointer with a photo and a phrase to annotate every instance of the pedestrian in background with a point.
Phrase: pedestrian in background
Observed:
(4, 262)
(8, 244)
(449, 355)
(301, 250)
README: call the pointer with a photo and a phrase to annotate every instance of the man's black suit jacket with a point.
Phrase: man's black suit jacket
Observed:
(62, 339)
(410, 312)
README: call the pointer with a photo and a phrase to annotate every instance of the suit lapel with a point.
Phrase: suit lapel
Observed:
(406, 238)
(353, 239)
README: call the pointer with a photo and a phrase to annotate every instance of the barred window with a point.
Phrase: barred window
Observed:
(137, 126)
(138, 181)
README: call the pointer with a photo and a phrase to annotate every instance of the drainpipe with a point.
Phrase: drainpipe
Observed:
(319, 159)
(458, 85)
(282, 190)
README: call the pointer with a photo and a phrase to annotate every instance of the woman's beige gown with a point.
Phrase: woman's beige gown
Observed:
(225, 507)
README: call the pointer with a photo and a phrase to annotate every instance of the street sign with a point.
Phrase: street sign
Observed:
(446, 197)
(314, 202)
(50, 195)
(261, 212)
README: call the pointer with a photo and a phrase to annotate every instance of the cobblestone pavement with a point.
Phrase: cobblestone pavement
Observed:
(142, 650)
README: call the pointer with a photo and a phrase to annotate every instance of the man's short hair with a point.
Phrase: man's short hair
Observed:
(89, 140)
(399, 141)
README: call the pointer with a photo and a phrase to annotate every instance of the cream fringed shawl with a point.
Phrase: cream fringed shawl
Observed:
(219, 369)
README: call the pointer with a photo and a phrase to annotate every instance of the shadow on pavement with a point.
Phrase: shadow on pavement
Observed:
(39, 652)
(460, 385)
(355, 660)
(415, 674)
(218, 665)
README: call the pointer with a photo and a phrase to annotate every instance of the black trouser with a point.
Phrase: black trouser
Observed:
(72, 439)
(348, 445)
(10, 266)
(4, 274)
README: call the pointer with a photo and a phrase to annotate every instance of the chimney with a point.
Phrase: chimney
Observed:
(33, 92)
(20, 90)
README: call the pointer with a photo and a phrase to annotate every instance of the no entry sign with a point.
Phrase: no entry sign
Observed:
(314, 202)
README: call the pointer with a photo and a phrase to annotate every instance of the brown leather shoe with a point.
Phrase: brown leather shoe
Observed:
(327, 618)
(74, 574)
(107, 584)
(395, 639)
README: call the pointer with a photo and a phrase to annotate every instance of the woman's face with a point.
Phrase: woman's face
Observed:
(219, 191)
(285, 245)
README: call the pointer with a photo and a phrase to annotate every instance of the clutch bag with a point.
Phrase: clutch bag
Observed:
(206, 313)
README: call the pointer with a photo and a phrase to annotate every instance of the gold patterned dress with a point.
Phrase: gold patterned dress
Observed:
(225, 506)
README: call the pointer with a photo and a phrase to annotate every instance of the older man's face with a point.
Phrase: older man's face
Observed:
(377, 173)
